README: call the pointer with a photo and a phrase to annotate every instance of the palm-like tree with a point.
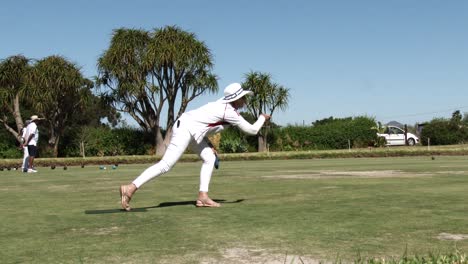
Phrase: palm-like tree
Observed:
(145, 71)
(267, 98)
(59, 92)
(126, 79)
(13, 72)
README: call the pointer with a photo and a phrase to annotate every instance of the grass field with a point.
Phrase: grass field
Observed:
(290, 211)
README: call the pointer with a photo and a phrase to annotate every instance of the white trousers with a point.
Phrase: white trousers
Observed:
(25, 158)
(180, 140)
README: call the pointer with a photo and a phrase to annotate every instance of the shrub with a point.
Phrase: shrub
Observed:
(444, 132)
(232, 145)
(233, 141)
(9, 146)
(327, 134)
(10, 153)
(133, 141)
(104, 141)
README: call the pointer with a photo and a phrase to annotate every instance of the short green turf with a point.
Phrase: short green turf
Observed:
(320, 208)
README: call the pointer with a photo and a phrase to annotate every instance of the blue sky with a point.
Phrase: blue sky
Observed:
(403, 60)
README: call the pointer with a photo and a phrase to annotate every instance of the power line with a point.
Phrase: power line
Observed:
(427, 113)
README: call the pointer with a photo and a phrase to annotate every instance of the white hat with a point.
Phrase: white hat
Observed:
(35, 117)
(233, 92)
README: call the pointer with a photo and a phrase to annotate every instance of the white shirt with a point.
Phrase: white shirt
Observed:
(214, 117)
(32, 129)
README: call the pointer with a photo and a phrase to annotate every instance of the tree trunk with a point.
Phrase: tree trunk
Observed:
(167, 138)
(12, 131)
(53, 140)
(82, 149)
(18, 120)
(262, 144)
(56, 143)
(159, 144)
(17, 113)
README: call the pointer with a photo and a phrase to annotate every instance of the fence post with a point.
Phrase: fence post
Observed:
(406, 135)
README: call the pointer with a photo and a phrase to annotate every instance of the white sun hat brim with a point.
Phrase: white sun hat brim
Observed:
(234, 92)
(35, 117)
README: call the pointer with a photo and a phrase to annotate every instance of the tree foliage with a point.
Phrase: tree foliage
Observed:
(58, 91)
(444, 131)
(13, 79)
(142, 72)
(267, 98)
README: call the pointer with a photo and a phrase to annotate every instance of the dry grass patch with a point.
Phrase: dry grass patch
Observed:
(259, 256)
(97, 231)
(455, 237)
(59, 187)
(355, 174)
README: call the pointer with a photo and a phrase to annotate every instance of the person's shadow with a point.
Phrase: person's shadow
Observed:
(164, 204)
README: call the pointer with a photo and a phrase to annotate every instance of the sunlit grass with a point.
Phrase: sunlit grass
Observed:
(315, 209)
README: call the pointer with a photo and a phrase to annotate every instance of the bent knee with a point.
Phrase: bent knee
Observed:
(209, 157)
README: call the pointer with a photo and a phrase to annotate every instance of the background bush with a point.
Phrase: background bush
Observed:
(444, 132)
(104, 141)
(233, 141)
(9, 146)
(326, 134)
(329, 133)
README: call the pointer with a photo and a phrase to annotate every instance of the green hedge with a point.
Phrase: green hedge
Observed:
(104, 141)
(333, 134)
(452, 150)
(444, 132)
(9, 146)
(326, 134)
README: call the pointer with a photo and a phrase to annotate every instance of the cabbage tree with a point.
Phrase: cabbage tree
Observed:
(58, 92)
(13, 74)
(144, 73)
(267, 98)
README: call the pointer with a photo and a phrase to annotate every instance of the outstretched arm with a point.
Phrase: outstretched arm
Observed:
(252, 129)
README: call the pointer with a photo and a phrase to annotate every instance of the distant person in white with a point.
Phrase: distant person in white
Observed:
(191, 130)
(24, 135)
(31, 142)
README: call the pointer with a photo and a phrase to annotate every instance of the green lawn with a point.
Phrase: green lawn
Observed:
(305, 209)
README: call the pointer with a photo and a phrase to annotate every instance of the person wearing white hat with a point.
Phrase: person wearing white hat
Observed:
(190, 130)
(31, 142)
